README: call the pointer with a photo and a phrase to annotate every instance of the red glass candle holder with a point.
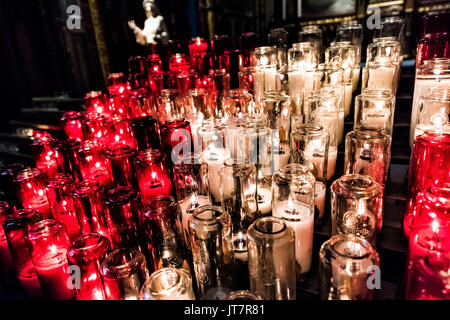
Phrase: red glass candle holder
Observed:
(94, 164)
(119, 106)
(146, 132)
(87, 253)
(221, 82)
(162, 223)
(6, 262)
(177, 139)
(160, 81)
(119, 131)
(121, 158)
(185, 81)
(117, 84)
(95, 102)
(7, 185)
(46, 156)
(60, 194)
(137, 81)
(49, 242)
(197, 51)
(32, 191)
(429, 165)
(16, 227)
(142, 104)
(428, 279)
(73, 125)
(68, 161)
(123, 207)
(137, 65)
(154, 64)
(94, 127)
(152, 174)
(248, 42)
(179, 62)
(88, 201)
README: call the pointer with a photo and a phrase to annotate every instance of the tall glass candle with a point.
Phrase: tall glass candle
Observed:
(146, 132)
(94, 165)
(124, 272)
(163, 227)
(123, 216)
(117, 83)
(142, 104)
(87, 253)
(357, 207)
(119, 131)
(94, 127)
(293, 201)
(368, 152)
(346, 263)
(60, 194)
(16, 228)
(95, 102)
(271, 250)
(212, 251)
(46, 156)
(68, 150)
(379, 75)
(152, 175)
(49, 243)
(121, 158)
(177, 139)
(434, 110)
(168, 284)
(238, 102)
(32, 191)
(120, 106)
(88, 201)
(73, 125)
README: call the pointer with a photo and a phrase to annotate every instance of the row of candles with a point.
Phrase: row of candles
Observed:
(256, 181)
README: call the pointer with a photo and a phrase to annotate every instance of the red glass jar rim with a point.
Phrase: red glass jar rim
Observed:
(147, 121)
(176, 124)
(87, 188)
(69, 144)
(123, 262)
(161, 204)
(434, 137)
(119, 150)
(150, 156)
(45, 228)
(91, 146)
(88, 247)
(120, 196)
(71, 115)
(116, 75)
(439, 196)
(29, 174)
(60, 180)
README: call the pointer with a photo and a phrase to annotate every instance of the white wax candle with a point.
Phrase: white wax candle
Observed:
(281, 156)
(301, 219)
(270, 81)
(320, 198)
(381, 78)
(188, 206)
(264, 198)
(421, 87)
(348, 99)
(295, 85)
(356, 75)
(332, 158)
(215, 159)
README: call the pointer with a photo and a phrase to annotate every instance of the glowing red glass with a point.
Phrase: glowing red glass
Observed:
(16, 227)
(119, 106)
(46, 156)
(177, 138)
(179, 62)
(73, 125)
(60, 194)
(88, 253)
(32, 191)
(152, 174)
(142, 104)
(94, 127)
(49, 242)
(123, 208)
(88, 201)
(94, 164)
(119, 131)
(121, 158)
(146, 133)
(95, 102)
(117, 84)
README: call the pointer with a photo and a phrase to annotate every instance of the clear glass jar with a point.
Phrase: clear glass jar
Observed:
(346, 54)
(238, 102)
(201, 101)
(375, 109)
(124, 272)
(171, 106)
(265, 56)
(304, 55)
(87, 253)
(368, 152)
(49, 243)
(16, 226)
(88, 201)
(32, 191)
(434, 110)
(357, 207)
(168, 284)
(243, 295)
(162, 223)
(60, 194)
(379, 76)
(152, 174)
(212, 250)
(314, 35)
(293, 201)
(271, 250)
(346, 263)
(392, 27)
(123, 207)
(192, 187)
(433, 73)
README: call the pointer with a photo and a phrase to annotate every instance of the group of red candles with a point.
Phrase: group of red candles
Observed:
(85, 197)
